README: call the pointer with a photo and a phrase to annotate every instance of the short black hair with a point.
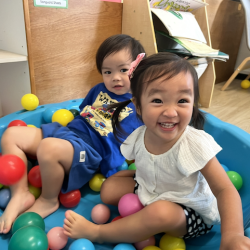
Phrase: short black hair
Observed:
(117, 43)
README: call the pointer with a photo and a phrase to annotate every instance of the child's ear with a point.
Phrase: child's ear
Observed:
(136, 107)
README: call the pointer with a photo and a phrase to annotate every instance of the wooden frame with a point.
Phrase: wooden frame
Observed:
(62, 44)
(137, 22)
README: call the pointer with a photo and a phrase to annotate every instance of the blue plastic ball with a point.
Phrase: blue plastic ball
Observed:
(124, 166)
(225, 167)
(82, 244)
(247, 232)
(48, 113)
(124, 246)
(4, 197)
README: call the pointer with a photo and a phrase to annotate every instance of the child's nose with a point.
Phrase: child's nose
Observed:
(116, 77)
(170, 111)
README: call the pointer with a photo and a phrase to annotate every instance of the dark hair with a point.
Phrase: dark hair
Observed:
(159, 65)
(117, 43)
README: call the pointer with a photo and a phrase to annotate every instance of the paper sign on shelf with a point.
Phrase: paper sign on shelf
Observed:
(51, 3)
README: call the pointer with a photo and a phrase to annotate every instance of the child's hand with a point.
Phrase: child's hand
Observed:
(235, 241)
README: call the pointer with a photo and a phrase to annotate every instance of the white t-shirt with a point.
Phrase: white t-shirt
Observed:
(175, 175)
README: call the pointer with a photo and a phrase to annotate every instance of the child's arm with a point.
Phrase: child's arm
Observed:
(229, 204)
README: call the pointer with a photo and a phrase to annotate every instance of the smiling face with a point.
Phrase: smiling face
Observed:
(115, 72)
(167, 107)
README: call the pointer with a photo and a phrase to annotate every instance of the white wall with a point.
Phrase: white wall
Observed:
(243, 53)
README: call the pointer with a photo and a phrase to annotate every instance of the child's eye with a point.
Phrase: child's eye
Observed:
(124, 70)
(107, 72)
(182, 101)
(157, 101)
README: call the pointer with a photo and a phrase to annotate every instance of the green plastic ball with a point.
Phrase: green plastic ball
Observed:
(28, 219)
(1, 185)
(132, 166)
(35, 191)
(75, 112)
(29, 238)
(235, 178)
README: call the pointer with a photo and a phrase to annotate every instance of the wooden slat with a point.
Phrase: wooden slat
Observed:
(62, 44)
(137, 22)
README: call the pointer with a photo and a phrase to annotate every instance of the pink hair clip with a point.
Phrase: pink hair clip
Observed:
(134, 64)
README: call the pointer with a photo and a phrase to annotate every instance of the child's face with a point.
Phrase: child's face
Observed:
(167, 107)
(115, 72)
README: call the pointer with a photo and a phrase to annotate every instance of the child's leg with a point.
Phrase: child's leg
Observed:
(110, 193)
(18, 141)
(160, 216)
(55, 157)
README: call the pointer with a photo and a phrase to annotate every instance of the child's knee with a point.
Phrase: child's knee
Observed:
(47, 150)
(106, 190)
(9, 135)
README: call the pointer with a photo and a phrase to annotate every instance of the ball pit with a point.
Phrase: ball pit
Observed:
(235, 155)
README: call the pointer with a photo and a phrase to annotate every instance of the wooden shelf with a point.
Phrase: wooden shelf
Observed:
(6, 57)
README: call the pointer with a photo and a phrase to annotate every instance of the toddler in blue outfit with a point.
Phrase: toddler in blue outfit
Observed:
(69, 156)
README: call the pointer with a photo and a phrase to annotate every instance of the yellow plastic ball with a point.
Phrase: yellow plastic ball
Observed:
(151, 248)
(245, 84)
(1, 185)
(62, 116)
(29, 102)
(96, 181)
(168, 242)
(35, 191)
(129, 162)
(31, 126)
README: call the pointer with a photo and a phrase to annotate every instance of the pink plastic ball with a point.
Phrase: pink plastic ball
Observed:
(148, 242)
(129, 204)
(56, 238)
(100, 214)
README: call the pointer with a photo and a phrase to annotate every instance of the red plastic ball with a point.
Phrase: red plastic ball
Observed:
(70, 199)
(12, 169)
(17, 123)
(34, 177)
(117, 218)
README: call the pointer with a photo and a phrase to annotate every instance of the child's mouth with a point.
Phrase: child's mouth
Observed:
(117, 86)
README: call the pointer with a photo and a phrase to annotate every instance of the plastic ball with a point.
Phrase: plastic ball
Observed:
(34, 177)
(96, 181)
(168, 242)
(62, 116)
(29, 238)
(35, 191)
(48, 113)
(70, 199)
(247, 232)
(132, 166)
(245, 84)
(31, 126)
(1, 185)
(82, 244)
(124, 166)
(12, 169)
(75, 112)
(17, 123)
(56, 238)
(124, 246)
(29, 102)
(117, 218)
(142, 244)
(151, 248)
(100, 214)
(225, 167)
(236, 179)
(130, 161)
(129, 204)
(5, 196)
(28, 219)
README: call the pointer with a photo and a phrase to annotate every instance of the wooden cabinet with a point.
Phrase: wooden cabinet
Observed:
(14, 70)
